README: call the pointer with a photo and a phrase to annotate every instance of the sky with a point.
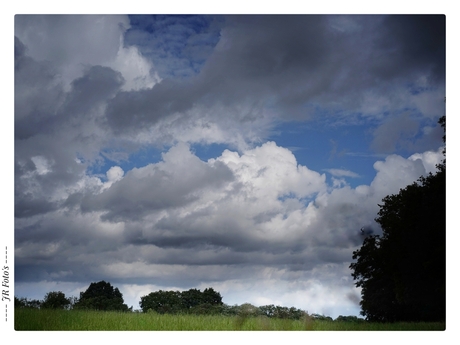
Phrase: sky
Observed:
(239, 152)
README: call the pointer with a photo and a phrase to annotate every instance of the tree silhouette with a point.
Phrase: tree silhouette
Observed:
(101, 296)
(403, 272)
(55, 300)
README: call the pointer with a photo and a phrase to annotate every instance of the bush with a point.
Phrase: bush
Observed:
(26, 303)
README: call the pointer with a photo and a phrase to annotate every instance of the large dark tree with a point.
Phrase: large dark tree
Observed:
(403, 272)
(101, 296)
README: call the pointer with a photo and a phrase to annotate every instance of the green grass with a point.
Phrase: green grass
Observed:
(79, 320)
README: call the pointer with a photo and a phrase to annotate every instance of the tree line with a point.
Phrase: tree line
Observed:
(99, 296)
(103, 296)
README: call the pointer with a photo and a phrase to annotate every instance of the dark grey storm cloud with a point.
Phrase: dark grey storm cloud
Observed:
(96, 86)
(27, 205)
(417, 42)
(37, 93)
(242, 66)
(136, 110)
(337, 46)
(297, 64)
(394, 132)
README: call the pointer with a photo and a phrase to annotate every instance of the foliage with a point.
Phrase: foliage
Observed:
(350, 318)
(192, 301)
(402, 273)
(212, 297)
(281, 312)
(247, 309)
(56, 300)
(161, 302)
(209, 302)
(230, 310)
(101, 296)
(191, 298)
(26, 303)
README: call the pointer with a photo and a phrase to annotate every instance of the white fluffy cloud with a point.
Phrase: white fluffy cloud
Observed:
(115, 174)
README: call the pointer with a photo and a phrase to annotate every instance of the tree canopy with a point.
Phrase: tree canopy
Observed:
(402, 273)
(55, 300)
(101, 296)
(190, 301)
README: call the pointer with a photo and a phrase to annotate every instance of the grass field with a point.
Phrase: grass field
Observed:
(78, 320)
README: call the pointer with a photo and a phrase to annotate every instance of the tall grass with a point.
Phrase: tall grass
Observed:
(80, 320)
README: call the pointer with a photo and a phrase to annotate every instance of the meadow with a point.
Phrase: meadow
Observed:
(84, 320)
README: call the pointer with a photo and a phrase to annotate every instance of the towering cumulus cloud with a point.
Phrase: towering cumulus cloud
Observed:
(239, 152)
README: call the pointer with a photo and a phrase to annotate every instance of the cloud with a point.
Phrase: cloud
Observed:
(252, 79)
(318, 60)
(80, 41)
(412, 54)
(341, 173)
(37, 91)
(237, 223)
(137, 71)
(115, 174)
(390, 180)
(429, 159)
(229, 205)
(52, 133)
(158, 186)
(323, 68)
(392, 132)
